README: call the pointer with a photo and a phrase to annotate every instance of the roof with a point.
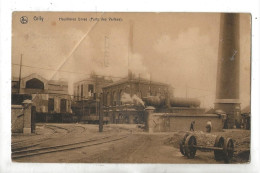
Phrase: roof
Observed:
(93, 80)
(134, 80)
(57, 82)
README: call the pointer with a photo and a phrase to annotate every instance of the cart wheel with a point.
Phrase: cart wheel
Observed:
(189, 146)
(182, 142)
(219, 142)
(228, 150)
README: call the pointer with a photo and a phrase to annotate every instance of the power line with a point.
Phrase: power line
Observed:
(66, 71)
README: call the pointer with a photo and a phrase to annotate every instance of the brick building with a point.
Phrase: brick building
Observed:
(120, 111)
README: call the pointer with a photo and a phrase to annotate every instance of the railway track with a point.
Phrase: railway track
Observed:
(58, 127)
(65, 147)
(83, 129)
(33, 142)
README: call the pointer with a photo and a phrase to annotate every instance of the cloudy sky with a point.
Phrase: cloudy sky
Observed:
(180, 49)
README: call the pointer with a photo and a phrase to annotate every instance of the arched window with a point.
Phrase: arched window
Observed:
(108, 99)
(120, 93)
(114, 98)
(34, 84)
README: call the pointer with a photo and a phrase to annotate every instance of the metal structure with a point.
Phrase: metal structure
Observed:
(223, 147)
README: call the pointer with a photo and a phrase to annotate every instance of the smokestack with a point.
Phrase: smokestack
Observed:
(227, 89)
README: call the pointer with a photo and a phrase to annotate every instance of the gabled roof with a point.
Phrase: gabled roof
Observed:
(34, 75)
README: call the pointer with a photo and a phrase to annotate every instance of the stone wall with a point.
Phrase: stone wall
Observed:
(17, 119)
(167, 122)
(21, 117)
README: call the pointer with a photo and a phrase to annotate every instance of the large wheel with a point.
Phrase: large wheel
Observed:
(190, 146)
(228, 150)
(219, 154)
(182, 142)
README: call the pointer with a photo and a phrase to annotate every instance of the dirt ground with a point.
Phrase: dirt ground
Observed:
(137, 147)
(241, 139)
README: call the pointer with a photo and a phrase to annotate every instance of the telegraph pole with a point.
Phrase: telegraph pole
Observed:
(100, 113)
(98, 106)
(21, 61)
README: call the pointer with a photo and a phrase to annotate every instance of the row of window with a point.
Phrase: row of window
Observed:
(115, 98)
(79, 91)
(63, 105)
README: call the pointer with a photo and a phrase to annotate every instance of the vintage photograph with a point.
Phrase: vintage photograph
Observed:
(131, 87)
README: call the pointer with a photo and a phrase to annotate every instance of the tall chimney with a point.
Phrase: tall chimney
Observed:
(227, 89)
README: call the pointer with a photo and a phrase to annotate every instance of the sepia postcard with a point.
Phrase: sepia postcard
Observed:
(131, 87)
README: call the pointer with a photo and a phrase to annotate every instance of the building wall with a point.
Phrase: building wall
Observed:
(120, 112)
(182, 110)
(125, 114)
(97, 82)
(160, 122)
(40, 97)
(113, 93)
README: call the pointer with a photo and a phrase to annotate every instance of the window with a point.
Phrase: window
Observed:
(82, 91)
(114, 99)
(91, 90)
(34, 84)
(78, 93)
(50, 105)
(108, 99)
(63, 105)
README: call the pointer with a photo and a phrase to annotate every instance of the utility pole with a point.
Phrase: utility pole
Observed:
(83, 113)
(21, 61)
(96, 94)
(100, 105)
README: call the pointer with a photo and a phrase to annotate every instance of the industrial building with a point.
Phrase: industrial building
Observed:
(123, 99)
(50, 97)
(87, 95)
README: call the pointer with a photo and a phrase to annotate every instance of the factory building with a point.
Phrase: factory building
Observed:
(87, 94)
(123, 99)
(50, 97)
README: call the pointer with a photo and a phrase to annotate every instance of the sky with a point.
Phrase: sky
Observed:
(180, 49)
